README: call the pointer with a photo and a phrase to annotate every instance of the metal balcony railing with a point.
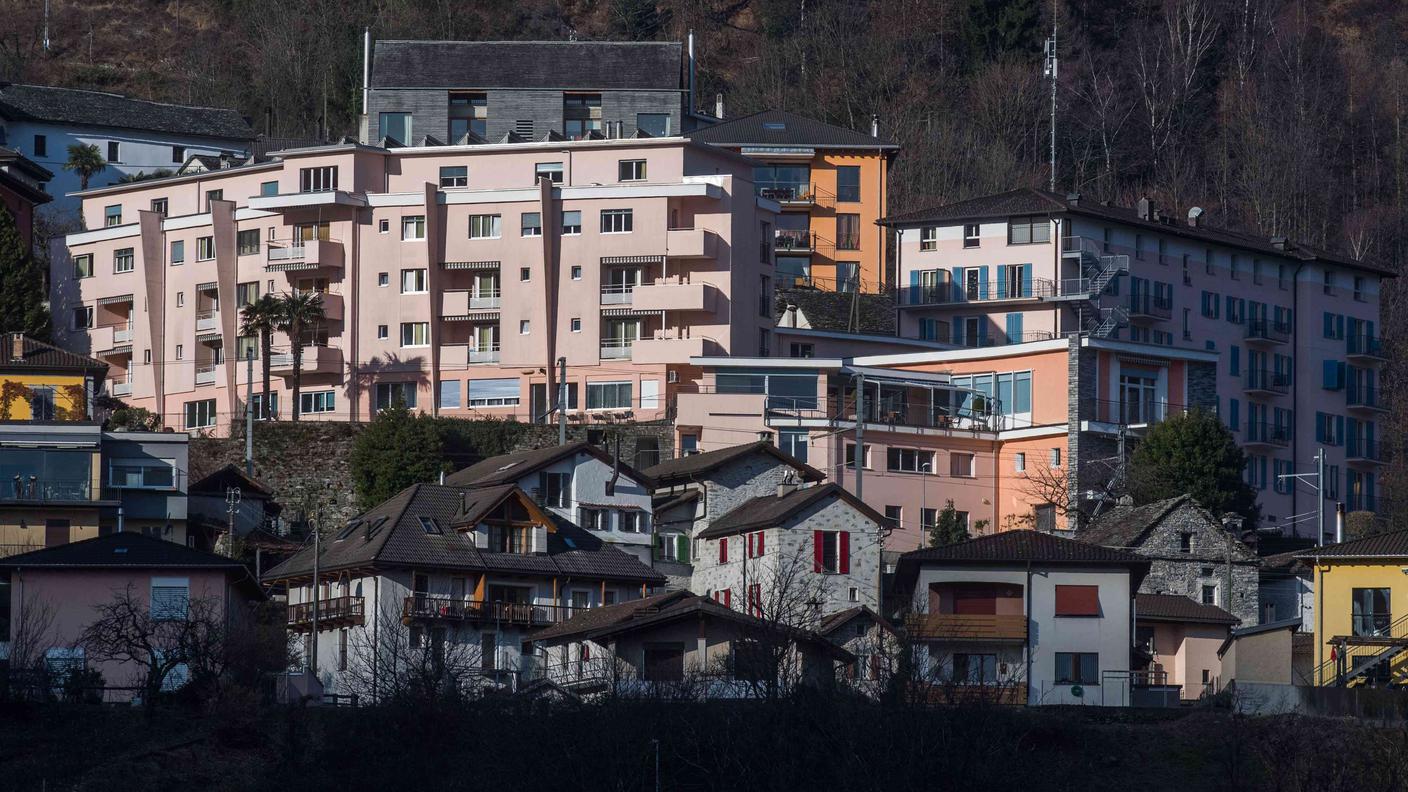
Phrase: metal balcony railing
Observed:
(1360, 394)
(331, 611)
(1263, 329)
(425, 606)
(1363, 345)
(34, 488)
(1268, 433)
(1268, 381)
(1150, 306)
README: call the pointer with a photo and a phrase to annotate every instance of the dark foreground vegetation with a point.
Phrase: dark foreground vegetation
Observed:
(786, 746)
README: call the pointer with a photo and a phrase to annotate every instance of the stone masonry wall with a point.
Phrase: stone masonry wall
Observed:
(1185, 574)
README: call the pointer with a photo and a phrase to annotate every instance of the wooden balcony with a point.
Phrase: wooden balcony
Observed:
(332, 612)
(967, 627)
(425, 607)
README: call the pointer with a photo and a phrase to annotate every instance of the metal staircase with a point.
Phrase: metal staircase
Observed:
(1097, 269)
(1365, 658)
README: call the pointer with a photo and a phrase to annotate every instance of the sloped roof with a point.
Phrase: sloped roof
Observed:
(835, 621)
(508, 468)
(874, 314)
(1022, 546)
(612, 65)
(1128, 526)
(97, 108)
(768, 511)
(230, 476)
(689, 468)
(36, 355)
(1030, 200)
(124, 549)
(1393, 544)
(593, 619)
(781, 128)
(1173, 608)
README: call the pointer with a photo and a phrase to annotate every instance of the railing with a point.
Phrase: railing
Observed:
(949, 292)
(122, 333)
(1376, 640)
(616, 348)
(617, 294)
(489, 354)
(1150, 306)
(7, 550)
(33, 488)
(1268, 433)
(789, 192)
(1363, 449)
(1361, 395)
(424, 606)
(122, 387)
(205, 375)
(486, 298)
(205, 320)
(1263, 329)
(792, 240)
(330, 610)
(967, 627)
(1363, 345)
(1269, 381)
(1135, 413)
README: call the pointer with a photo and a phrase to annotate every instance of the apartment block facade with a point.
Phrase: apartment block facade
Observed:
(1293, 329)
(452, 278)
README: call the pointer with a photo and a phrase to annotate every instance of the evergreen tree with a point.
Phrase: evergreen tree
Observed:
(947, 529)
(1197, 455)
(396, 450)
(21, 284)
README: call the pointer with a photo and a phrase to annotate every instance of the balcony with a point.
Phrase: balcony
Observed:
(617, 294)
(1261, 382)
(1363, 348)
(424, 607)
(316, 360)
(332, 612)
(1149, 308)
(205, 374)
(332, 306)
(207, 322)
(484, 354)
(967, 627)
(787, 240)
(790, 193)
(109, 338)
(122, 387)
(616, 348)
(669, 350)
(1363, 451)
(460, 302)
(1363, 397)
(1135, 414)
(948, 293)
(691, 243)
(454, 356)
(35, 489)
(666, 296)
(285, 255)
(1266, 331)
(1264, 433)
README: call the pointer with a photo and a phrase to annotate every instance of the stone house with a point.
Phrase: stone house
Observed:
(1193, 553)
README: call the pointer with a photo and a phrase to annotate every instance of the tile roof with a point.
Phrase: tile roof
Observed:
(230, 476)
(508, 468)
(124, 549)
(96, 108)
(689, 468)
(835, 621)
(598, 618)
(35, 355)
(874, 314)
(1022, 546)
(1171, 607)
(609, 65)
(770, 511)
(1128, 526)
(1393, 544)
(1029, 200)
(781, 128)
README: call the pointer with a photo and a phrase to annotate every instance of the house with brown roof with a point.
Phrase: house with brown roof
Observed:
(1194, 554)
(448, 579)
(1027, 616)
(681, 645)
(1182, 638)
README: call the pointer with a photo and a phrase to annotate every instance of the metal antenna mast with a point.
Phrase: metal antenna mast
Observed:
(1050, 72)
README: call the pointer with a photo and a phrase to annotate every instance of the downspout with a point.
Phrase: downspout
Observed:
(1027, 643)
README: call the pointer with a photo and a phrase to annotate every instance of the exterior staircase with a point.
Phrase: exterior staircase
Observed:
(1366, 658)
(1098, 269)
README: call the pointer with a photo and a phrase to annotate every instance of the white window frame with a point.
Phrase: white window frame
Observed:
(485, 226)
(317, 402)
(530, 230)
(617, 221)
(124, 260)
(415, 281)
(205, 248)
(418, 332)
(413, 228)
(929, 238)
(630, 170)
(572, 229)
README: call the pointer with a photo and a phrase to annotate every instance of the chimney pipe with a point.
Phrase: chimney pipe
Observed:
(691, 72)
(874, 125)
(1339, 522)
(1144, 209)
(719, 106)
(1195, 215)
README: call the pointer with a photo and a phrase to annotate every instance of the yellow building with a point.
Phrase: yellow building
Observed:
(1361, 610)
(40, 382)
(832, 184)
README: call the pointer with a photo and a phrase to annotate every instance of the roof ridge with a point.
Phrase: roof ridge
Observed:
(122, 96)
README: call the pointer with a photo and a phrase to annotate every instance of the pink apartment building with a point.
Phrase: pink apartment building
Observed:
(453, 278)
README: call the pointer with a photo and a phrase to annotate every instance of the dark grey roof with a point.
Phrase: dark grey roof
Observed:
(1393, 544)
(781, 128)
(1022, 546)
(844, 312)
(96, 108)
(835, 621)
(508, 468)
(610, 65)
(1128, 526)
(230, 476)
(689, 468)
(1171, 607)
(1030, 200)
(770, 511)
(123, 549)
(34, 355)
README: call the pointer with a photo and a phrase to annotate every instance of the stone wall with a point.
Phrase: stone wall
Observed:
(1176, 572)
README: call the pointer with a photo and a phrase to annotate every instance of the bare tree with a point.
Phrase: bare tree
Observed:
(30, 638)
(389, 661)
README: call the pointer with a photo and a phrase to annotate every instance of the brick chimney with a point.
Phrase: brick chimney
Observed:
(16, 346)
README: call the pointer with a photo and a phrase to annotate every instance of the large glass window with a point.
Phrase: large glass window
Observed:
(200, 414)
(469, 112)
(848, 183)
(783, 182)
(654, 124)
(784, 391)
(794, 442)
(38, 474)
(321, 179)
(142, 473)
(608, 395)
(389, 393)
(395, 126)
(1372, 615)
(1077, 668)
(581, 115)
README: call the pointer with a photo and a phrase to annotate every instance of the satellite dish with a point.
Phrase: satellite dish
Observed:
(1077, 691)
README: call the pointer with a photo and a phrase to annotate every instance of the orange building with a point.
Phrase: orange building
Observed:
(831, 183)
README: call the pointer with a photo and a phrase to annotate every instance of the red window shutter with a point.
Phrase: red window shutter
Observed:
(750, 545)
(760, 542)
(1077, 600)
(843, 564)
(818, 547)
(723, 550)
(728, 598)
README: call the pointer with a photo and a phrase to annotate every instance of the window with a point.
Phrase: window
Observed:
(414, 281)
(200, 414)
(1019, 463)
(1077, 668)
(83, 265)
(180, 352)
(1329, 287)
(848, 232)
(268, 188)
(171, 598)
(654, 124)
(851, 456)
(909, 460)
(114, 151)
(1185, 542)
(246, 293)
(383, 226)
(616, 221)
(394, 126)
(794, 442)
(383, 279)
(321, 179)
(894, 516)
(159, 206)
(929, 238)
(1359, 288)
(389, 393)
(1028, 231)
(142, 473)
(630, 170)
(415, 334)
(484, 226)
(413, 228)
(832, 552)
(848, 183)
(632, 521)
(571, 226)
(576, 324)
(468, 114)
(581, 115)
(960, 465)
(205, 248)
(552, 171)
(531, 224)
(1077, 600)
(608, 396)
(247, 242)
(41, 146)
(971, 238)
(799, 350)
(764, 342)
(454, 176)
(555, 489)
(123, 260)
(1370, 610)
(213, 195)
(524, 327)
(1209, 594)
(112, 215)
(493, 392)
(594, 519)
(1055, 457)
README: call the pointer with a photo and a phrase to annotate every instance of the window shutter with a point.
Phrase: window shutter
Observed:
(1329, 325)
(1026, 280)
(958, 293)
(1319, 427)
(957, 334)
(1001, 280)
(659, 547)
(844, 554)
(728, 598)
(915, 298)
(1014, 328)
(760, 542)
(1327, 375)
(983, 284)
(1339, 326)
(682, 549)
(1339, 430)
(1077, 600)
(818, 538)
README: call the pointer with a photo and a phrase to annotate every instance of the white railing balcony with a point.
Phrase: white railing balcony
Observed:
(617, 295)
(488, 354)
(206, 321)
(484, 300)
(616, 348)
(284, 254)
(122, 334)
(669, 350)
(122, 387)
(205, 375)
(316, 360)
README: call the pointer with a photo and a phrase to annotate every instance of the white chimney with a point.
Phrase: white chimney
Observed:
(875, 126)
(719, 106)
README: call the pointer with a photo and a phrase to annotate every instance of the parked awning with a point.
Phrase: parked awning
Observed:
(475, 316)
(206, 286)
(631, 312)
(632, 259)
(121, 298)
(289, 267)
(469, 265)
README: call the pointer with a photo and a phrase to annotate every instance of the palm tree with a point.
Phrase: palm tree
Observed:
(261, 318)
(86, 161)
(299, 311)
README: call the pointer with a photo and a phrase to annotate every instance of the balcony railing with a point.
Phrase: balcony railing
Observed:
(967, 627)
(39, 490)
(1361, 395)
(1149, 306)
(486, 354)
(423, 606)
(122, 333)
(7, 550)
(790, 240)
(1268, 381)
(1367, 346)
(484, 300)
(1135, 413)
(790, 192)
(121, 387)
(205, 321)
(1362, 449)
(1267, 433)
(205, 375)
(948, 293)
(1267, 330)
(616, 348)
(332, 611)
(617, 294)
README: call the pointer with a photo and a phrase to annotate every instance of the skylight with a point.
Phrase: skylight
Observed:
(119, 549)
(775, 126)
(430, 526)
(509, 465)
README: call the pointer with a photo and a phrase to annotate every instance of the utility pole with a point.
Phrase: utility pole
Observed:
(232, 505)
(249, 412)
(860, 436)
(313, 639)
(1319, 485)
(1051, 69)
(562, 401)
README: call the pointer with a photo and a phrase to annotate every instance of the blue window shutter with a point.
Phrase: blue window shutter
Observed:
(914, 298)
(1339, 430)
(1339, 326)
(958, 293)
(983, 331)
(1235, 360)
(1329, 325)
(1234, 414)
(1001, 281)
(1026, 280)
(983, 293)
(1328, 376)
(957, 334)
(1320, 427)
(1014, 328)
(1231, 308)
(1369, 329)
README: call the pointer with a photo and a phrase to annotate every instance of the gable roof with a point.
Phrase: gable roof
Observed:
(1174, 608)
(123, 550)
(1022, 546)
(509, 468)
(835, 621)
(611, 65)
(769, 511)
(1030, 200)
(100, 109)
(689, 468)
(1129, 526)
(781, 128)
(231, 475)
(1393, 544)
(19, 352)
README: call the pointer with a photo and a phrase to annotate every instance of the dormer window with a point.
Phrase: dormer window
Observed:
(430, 525)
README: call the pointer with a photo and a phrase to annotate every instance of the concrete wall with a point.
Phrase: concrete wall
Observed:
(1264, 657)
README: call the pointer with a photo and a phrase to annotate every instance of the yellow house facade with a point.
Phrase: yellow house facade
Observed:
(41, 382)
(1361, 610)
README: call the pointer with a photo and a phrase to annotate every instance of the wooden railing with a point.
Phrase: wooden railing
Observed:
(330, 611)
(967, 627)
(423, 606)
